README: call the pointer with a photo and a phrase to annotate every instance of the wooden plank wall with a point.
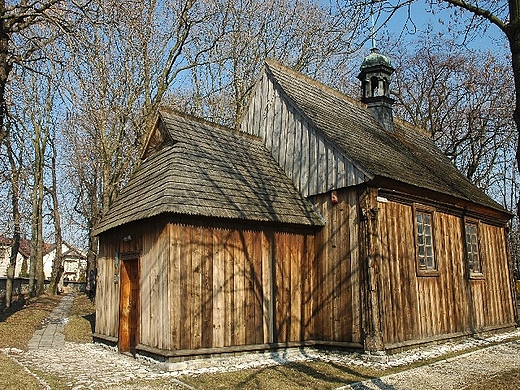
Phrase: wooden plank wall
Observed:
(107, 291)
(203, 287)
(211, 287)
(421, 307)
(492, 295)
(222, 292)
(337, 300)
(314, 165)
(153, 285)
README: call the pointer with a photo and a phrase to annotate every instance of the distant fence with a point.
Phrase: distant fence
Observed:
(21, 286)
(69, 287)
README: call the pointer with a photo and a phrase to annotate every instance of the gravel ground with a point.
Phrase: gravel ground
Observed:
(93, 366)
(456, 373)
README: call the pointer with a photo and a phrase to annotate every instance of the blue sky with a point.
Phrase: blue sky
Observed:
(492, 39)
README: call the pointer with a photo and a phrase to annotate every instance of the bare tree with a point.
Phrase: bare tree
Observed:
(33, 112)
(15, 173)
(57, 264)
(464, 99)
(310, 37)
(20, 43)
(26, 30)
(127, 60)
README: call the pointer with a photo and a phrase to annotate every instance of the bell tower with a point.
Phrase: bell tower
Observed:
(375, 73)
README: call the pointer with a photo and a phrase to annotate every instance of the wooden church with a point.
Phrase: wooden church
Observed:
(322, 221)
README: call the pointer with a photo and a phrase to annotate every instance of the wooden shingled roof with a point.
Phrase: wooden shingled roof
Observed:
(407, 155)
(192, 167)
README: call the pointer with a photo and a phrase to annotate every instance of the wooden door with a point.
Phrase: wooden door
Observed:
(128, 318)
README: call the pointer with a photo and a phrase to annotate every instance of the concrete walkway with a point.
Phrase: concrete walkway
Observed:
(51, 334)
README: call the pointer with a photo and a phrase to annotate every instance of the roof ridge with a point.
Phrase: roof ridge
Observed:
(175, 112)
(411, 126)
(324, 87)
(309, 80)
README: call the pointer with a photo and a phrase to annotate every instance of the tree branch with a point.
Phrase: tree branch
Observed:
(486, 14)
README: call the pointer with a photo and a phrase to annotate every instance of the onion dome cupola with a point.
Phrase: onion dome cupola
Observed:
(375, 73)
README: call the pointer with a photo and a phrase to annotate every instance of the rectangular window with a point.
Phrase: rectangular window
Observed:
(472, 248)
(425, 245)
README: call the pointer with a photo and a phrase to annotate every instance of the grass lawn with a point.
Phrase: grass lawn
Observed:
(303, 375)
(17, 328)
(80, 326)
(509, 380)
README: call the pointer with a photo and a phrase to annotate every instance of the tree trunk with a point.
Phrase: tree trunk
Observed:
(15, 245)
(93, 243)
(36, 273)
(57, 265)
(513, 35)
(4, 70)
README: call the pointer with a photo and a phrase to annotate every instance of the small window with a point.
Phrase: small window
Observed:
(425, 243)
(472, 248)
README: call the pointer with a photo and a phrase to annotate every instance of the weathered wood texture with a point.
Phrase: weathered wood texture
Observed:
(336, 272)
(421, 307)
(107, 292)
(312, 162)
(207, 287)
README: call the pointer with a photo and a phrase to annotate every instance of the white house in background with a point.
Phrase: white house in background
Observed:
(74, 260)
(74, 263)
(5, 252)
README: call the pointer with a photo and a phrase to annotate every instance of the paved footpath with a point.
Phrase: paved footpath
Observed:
(51, 335)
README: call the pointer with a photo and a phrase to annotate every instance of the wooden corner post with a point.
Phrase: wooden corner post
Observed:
(370, 258)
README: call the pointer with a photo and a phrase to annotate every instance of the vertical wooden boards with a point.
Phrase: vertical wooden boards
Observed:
(313, 163)
(336, 290)
(219, 285)
(496, 292)
(397, 271)
(414, 306)
(186, 303)
(145, 296)
(354, 274)
(268, 287)
(255, 332)
(295, 258)
(420, 307)
(309, 284)
(229, 312)
(174, 284)
(162, 249)
(107, 292)
(194, 285)
(290, 257)
(239, 292)
(282, 285)
(210, 287)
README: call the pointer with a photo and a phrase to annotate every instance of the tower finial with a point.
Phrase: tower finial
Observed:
(373, 32)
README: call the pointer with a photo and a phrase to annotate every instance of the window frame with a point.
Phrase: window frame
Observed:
(417, 208)
(472, 274)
